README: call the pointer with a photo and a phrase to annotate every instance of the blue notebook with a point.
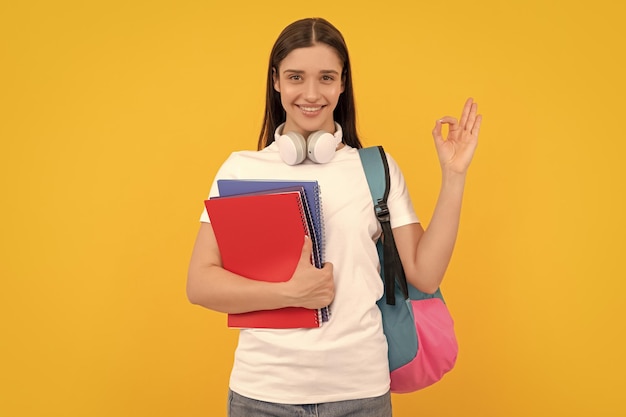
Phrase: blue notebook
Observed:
(230, 187)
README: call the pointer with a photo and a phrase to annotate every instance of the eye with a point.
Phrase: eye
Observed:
(295, 77)
(328, 78)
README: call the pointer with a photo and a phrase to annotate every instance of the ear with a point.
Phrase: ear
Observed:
(276, 80)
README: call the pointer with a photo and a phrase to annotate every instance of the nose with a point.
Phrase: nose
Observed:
(312, 92)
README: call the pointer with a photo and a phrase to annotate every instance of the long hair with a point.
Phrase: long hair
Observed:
(302, 34)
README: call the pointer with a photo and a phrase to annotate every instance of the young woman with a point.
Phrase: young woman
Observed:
(341, 368)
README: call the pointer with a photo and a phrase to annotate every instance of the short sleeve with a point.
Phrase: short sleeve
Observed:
(399, 201)
(227, 170)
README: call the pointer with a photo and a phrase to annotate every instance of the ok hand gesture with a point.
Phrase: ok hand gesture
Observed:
(456, 151)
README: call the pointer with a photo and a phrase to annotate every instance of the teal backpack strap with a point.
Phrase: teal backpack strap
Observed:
(377, 177)
(374, 161)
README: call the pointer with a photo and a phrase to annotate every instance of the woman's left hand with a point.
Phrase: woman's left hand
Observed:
(456, 151)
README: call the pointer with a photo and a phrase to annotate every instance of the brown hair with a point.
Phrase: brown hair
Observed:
(302, 34)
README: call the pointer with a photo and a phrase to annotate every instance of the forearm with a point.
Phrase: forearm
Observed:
(218, 289)
(213, 287)
(426, 254)
(434, 249)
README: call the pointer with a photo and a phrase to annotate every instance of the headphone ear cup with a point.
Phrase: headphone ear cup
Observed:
(292, 148)
(321, 147)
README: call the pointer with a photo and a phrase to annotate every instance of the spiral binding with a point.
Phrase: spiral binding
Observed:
(322, 231)
(325, 311)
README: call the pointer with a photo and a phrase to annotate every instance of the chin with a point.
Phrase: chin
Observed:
(315, 124)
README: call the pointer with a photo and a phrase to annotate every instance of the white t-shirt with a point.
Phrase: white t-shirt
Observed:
(346, 358)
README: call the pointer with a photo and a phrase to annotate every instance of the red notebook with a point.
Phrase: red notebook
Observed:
(260, 237)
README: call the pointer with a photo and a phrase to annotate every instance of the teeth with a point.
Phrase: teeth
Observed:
(310, 108)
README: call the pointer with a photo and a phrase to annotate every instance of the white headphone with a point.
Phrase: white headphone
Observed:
(319, 147)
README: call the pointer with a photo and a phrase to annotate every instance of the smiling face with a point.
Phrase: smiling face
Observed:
(310, 82)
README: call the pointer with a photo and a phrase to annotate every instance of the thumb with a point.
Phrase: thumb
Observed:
(307, 250)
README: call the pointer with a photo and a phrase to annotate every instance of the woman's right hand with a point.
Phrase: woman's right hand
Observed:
(310, 287)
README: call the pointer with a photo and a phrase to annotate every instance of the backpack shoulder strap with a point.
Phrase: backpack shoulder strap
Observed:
(374, 161)
(376, 172)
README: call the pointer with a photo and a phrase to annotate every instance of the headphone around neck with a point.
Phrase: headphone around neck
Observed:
(319, 147)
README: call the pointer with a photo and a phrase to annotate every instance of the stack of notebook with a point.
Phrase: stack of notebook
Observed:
(260, 227)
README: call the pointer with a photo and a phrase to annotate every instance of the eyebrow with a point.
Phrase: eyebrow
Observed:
(294, 71)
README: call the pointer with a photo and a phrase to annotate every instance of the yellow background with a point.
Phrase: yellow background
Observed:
(115, 116)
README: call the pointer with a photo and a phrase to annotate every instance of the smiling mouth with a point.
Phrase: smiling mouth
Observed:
(310, 109)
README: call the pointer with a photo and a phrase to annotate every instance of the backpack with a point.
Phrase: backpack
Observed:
(422, 345)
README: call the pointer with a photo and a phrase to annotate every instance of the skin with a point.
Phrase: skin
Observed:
(425, 255)
(310, 84)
